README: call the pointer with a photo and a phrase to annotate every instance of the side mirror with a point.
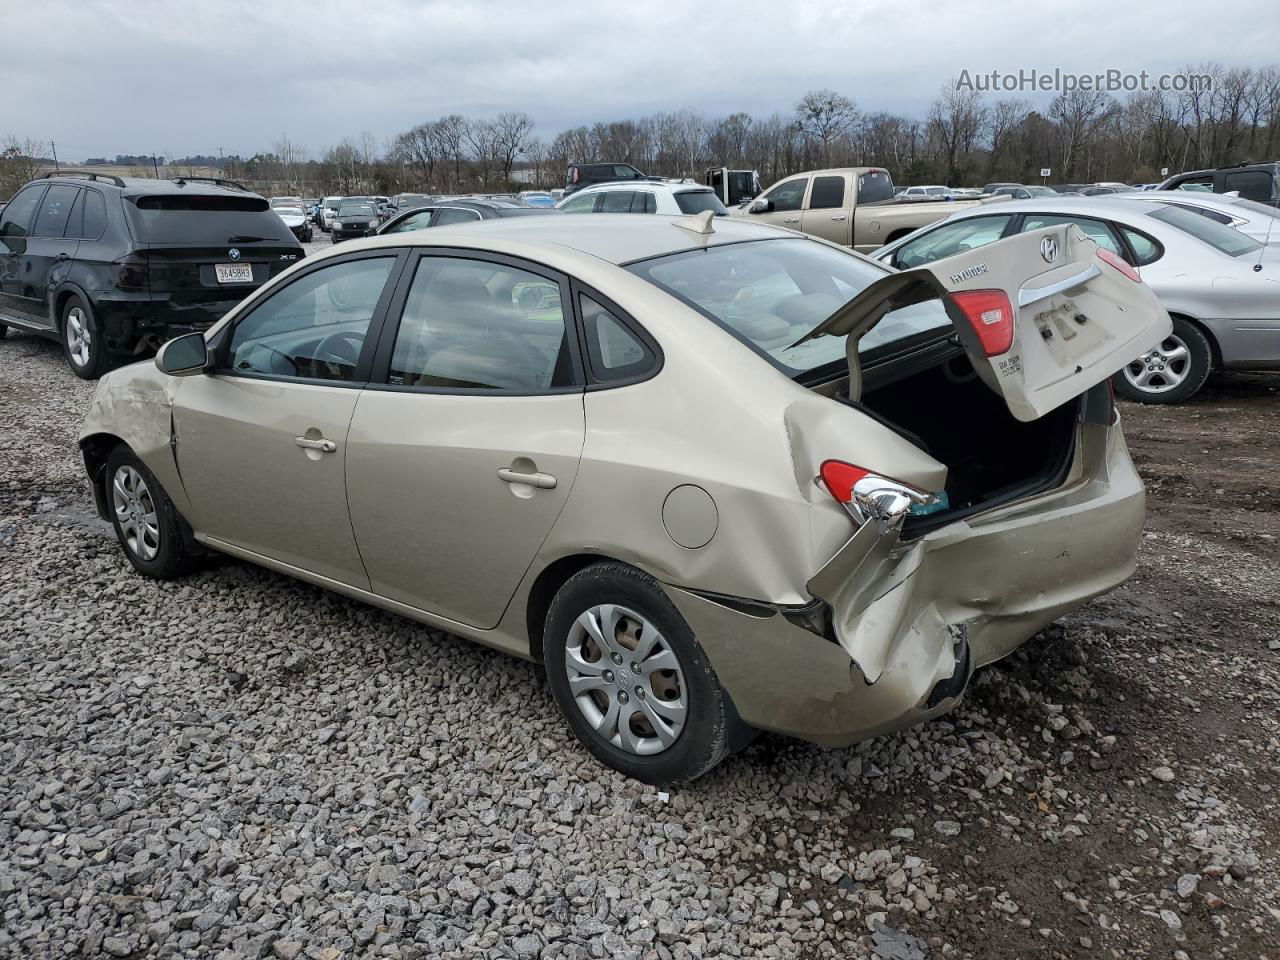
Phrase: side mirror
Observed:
(760, 206)
(184, 356)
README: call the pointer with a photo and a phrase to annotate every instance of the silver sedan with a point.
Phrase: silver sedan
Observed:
(1221, 286)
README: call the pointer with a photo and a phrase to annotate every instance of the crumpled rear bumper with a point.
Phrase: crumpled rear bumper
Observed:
(960, 597)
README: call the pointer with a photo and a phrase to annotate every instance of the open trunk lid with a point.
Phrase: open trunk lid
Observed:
(1043, 315)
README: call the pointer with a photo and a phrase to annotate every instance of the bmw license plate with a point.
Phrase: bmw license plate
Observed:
(234, 272)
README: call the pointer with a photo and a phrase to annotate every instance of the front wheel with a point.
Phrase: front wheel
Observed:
(1171, 373)
(146, 522)
(83, 342)
(631, 679)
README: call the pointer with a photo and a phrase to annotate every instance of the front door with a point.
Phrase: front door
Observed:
(262, 441)
(782, 204)
(15, 234)
(461, 458)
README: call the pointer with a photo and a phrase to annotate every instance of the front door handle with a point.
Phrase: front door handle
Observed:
(324, 446)
(543, 481)
(841, 217)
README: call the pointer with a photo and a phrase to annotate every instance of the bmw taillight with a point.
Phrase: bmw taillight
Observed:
(1106, 256)
(132, 272)
(990, 315)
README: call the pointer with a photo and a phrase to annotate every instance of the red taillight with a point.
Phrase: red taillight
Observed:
(990, 315)
(839, 478)
(132, 272)
(1119, 263)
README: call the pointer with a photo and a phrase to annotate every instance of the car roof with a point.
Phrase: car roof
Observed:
(678, 186)
(148, 186)
(614, 238)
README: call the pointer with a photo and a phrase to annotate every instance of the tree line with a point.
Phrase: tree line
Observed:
(965, 138)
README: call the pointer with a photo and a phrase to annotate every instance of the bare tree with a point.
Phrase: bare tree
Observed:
(825, 116)
(512, 132)
(20, 161)
(1078, 114)
(955, 120)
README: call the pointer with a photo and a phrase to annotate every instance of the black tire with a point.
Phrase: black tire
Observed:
(4, 331)
(1198, 364)
(173, 555)
(711, 726)
(83, 342)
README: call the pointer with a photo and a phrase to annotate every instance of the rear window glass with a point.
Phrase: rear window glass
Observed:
(696, 201)
(1225, 239)
(874, 186)
(770, 293)
(193, 218)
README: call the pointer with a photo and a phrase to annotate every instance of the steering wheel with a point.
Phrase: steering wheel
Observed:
(339, 350)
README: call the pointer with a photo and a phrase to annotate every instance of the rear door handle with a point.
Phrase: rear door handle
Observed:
(543, 481)
(324, 446)
(841, 217)
(791, 220)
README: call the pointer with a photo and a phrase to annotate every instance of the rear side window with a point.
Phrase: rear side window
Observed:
(585, 203)
(950, 239)
(88, 216)
(1251, 184)
(450, 215)
(613, 352)
(699, 201)
(874, 186)
(476, 325)
(617, 201)
(55, 210)
(15, 220)
(208, 219)
(827, 192)
(1225, 239)
(1145, 250)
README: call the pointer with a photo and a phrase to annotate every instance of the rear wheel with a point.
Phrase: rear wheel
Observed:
(145, 520)
(83, 343)
(1171, 373)
(631, 679)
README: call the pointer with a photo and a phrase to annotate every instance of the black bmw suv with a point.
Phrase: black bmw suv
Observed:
(113, 267)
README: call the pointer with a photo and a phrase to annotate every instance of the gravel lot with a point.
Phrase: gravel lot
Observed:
(239, 765)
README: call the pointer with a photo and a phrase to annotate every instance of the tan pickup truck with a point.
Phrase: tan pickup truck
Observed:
(853, 206)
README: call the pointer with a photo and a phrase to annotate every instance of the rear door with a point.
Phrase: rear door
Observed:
(48, 255)
(1044, 315)
(463, 450)
(206, 252)
(826, 215)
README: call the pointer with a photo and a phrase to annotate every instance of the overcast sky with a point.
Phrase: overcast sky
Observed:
(102, 77)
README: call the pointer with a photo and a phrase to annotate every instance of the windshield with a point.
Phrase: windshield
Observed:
(1224, 239)
(770, 293)
(356, 210)
(696, 201)
(191, 218)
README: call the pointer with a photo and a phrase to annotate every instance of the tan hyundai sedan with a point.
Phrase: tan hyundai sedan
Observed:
(717, 477)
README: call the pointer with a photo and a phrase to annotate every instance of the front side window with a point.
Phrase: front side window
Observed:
(827, 193)
(476, 325)
(315, 327)
(950, 239)
(613, 351)
(15, 219)
(1096, 230)
(788, 195)
(582, 203)
(770, 293)
(414, 221)
(699, 201)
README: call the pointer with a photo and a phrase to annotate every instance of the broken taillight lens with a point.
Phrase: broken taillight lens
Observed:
(869, 496)
(1106, 256)
(990, 315)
